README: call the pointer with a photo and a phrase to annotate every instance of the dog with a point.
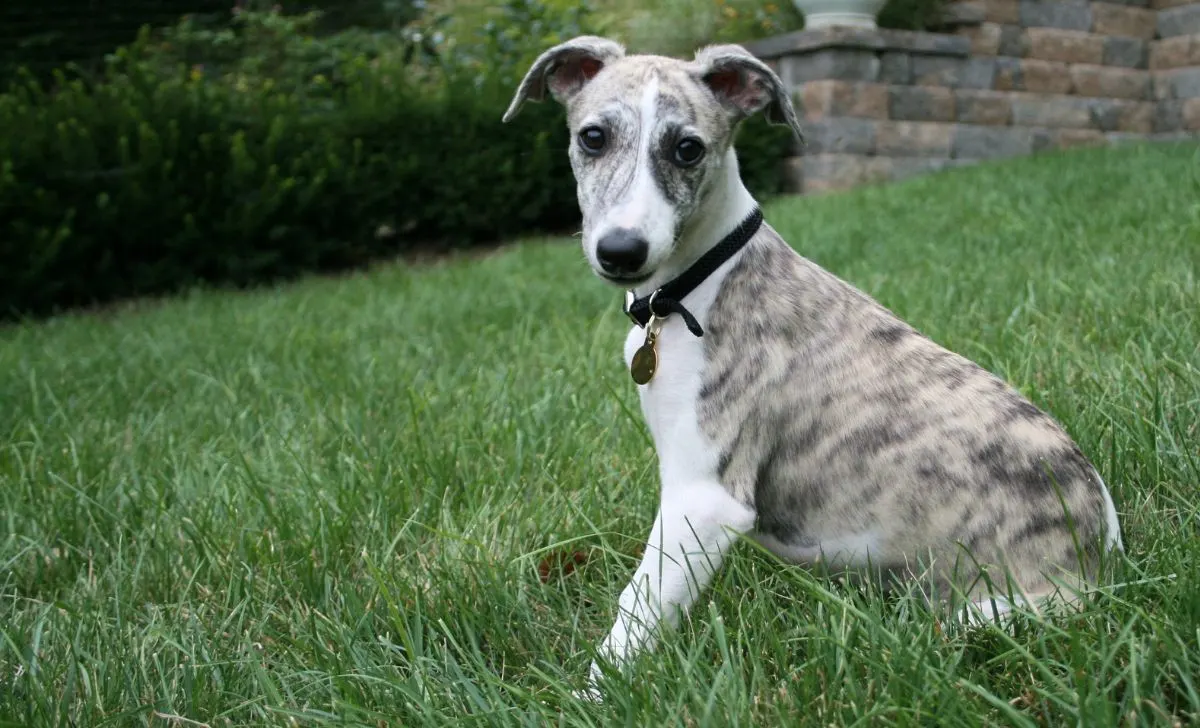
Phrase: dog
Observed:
(785, 405)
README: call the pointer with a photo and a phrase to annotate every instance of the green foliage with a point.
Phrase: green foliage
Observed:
(911, 14)
(282, 152)
(287, 49)
(47, 35)
(147, 182)
(44, 36)
(339, 15)
(513, 33)
(762, 149)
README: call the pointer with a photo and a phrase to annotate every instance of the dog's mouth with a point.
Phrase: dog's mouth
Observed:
(625, 281)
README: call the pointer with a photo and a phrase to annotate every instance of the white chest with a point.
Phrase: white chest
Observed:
(669, 403)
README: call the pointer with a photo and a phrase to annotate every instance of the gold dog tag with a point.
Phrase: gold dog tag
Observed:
(645, 359)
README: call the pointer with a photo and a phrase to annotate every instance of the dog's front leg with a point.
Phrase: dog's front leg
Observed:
(695, 525)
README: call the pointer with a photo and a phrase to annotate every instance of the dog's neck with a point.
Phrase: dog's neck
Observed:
(725, 207)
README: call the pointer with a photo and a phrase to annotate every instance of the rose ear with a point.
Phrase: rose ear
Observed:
(745, 85)
(564, 70)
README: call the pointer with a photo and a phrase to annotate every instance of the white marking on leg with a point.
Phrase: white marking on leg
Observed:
(694, 529)
(987, 609)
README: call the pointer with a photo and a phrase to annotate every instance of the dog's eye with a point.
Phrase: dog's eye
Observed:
(688, 152)
(592, 140)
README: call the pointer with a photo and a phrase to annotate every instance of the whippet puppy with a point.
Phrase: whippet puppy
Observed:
(786, 405)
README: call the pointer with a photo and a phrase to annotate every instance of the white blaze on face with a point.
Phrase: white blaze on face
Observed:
(642, 207)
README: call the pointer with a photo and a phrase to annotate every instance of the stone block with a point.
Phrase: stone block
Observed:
(985, 38)
(1012, 40)
(1136, 116)
(1043, 139)
(990, 108)
(895, 67)
(1065, 46)
(840, 135)
(1105, 114)
(1191, 115)
(1125, 52)
(819, 99)
(1002, 11)
(991, 142)
(1065, 14)
(906, 167)
(1068, 138)
(1008, 75)
(1121, 20)
(962, 14)
(936, 70)
(1176, 52)
(1121, 115)
(1177, 83)
(843, 64)
(1181, 20)
(819, 173)
(914, 139)
(1045, 77)
(953, 72)
(1115, 138)
(1168, 115)
(921, 103)
(978, 73)
(1103, 81)
(1051, 111)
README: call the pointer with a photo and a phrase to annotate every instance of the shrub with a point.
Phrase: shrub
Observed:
(762, 149)
(44, 36)
(911, 14)
(274, 162)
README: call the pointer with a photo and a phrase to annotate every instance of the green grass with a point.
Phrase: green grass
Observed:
(329, 502)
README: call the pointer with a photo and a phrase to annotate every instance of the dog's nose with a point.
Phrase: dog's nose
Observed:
(622, 252)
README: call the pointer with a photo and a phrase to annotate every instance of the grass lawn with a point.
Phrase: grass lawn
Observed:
(334, 501)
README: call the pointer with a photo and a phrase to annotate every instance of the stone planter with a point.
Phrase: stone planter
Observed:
(830, 13)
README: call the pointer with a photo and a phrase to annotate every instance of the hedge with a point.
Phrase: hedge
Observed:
(148, 182)
(44, 35)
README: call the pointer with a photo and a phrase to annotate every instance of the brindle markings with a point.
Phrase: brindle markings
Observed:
(890, 334)
(912, 432)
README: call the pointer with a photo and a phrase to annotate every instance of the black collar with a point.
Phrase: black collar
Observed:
(669, 298)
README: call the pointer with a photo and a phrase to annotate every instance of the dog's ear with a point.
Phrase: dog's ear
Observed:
(564, 69)
(745, 85)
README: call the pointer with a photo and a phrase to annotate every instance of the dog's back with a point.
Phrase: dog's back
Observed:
(853, 436)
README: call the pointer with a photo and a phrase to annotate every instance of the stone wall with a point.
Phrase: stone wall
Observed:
(1007, 78)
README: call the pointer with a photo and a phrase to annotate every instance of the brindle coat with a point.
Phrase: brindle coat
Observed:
(808, 416)
(835, 417)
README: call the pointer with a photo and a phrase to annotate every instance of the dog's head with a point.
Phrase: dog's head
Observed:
(651, 139)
